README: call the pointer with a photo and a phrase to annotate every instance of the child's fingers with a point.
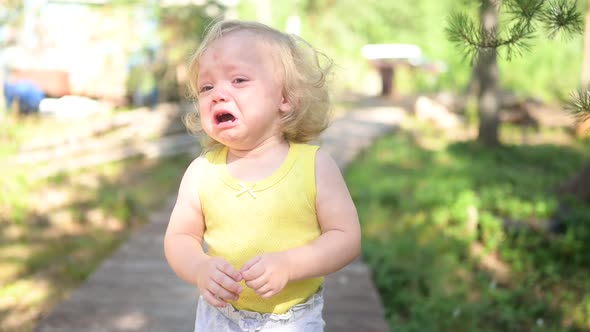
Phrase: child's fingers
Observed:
(250, 263)
(212, 300)
(227, 269)
(226, 282)
(264, 289)
(253, 272)
(255, 284)
(268, 294)
(220, 292)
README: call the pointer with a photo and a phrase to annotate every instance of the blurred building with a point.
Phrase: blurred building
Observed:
(78, 47)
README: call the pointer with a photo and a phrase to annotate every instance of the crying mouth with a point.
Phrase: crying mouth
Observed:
(225, 117)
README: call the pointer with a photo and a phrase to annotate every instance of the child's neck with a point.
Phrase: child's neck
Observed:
(269, 146)
(258, 163)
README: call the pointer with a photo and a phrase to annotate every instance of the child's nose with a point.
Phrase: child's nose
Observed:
(220, 95)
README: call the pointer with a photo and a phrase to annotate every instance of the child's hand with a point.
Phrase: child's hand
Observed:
(266, 274)
(218, 281)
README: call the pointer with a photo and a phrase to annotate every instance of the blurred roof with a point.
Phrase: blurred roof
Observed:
(391, 51)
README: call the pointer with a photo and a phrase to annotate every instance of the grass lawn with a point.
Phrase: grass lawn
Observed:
(432, 214)
(55, 232)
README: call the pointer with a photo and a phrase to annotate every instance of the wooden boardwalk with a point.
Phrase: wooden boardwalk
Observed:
(135, 290)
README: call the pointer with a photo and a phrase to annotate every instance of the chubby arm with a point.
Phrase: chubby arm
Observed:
(183, 245)
(338, 244)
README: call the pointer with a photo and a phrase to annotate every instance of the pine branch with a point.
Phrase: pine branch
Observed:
(462, 32)
(518, 39)
(528, 10)
(562, 16)
(558, 17)
(578, 105)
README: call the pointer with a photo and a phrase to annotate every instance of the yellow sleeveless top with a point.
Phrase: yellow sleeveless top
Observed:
(246, 219)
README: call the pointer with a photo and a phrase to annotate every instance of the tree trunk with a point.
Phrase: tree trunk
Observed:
(582, 127)
(472, 88)
(488, 98)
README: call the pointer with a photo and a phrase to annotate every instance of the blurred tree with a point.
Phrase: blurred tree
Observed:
(375, 22)
(181, 28)
(11, 16)
(579, 107)
(487, 76)
(481, 41)
(584, 123)
(559, 16)
(586, 59)
(163, 58)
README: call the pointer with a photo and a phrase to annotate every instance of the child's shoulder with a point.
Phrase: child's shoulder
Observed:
(305, 147)
(324, 162)
(213, 155)
(322, 157)
(203, 160)
(195, 166)
(189, 185)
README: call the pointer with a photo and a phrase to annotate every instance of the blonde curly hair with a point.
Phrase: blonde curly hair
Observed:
(305, 86)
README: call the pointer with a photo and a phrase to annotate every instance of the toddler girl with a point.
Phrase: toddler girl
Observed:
(274, 211)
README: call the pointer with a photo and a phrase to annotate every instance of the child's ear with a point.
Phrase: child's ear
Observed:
(285, 105)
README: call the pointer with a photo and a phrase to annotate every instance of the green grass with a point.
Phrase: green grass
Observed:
(415, 205)
(46, 254)
(47, 250)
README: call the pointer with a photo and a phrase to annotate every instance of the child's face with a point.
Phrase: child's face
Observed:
(240, 91)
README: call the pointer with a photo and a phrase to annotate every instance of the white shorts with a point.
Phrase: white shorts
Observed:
(304, 317)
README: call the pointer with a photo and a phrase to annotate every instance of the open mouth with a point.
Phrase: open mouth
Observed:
(224, 117)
